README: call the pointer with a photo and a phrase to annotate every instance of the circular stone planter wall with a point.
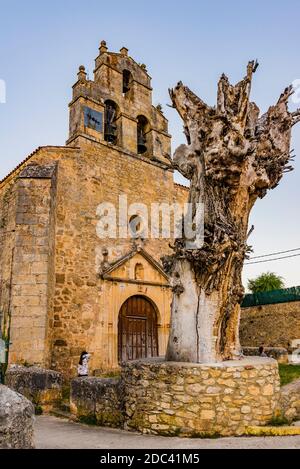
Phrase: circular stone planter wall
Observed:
(189, 399)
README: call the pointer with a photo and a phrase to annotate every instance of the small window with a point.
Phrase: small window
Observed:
(139, 272)
(110, 118)
(142, 130)
(127, 81)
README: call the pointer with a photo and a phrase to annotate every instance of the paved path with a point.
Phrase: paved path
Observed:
(52, 432)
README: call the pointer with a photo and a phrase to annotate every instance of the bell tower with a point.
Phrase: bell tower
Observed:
(116, 108)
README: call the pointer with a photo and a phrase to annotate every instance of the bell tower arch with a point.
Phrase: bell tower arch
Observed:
(131, 123)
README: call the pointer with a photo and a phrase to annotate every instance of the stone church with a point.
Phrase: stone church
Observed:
(63, 288)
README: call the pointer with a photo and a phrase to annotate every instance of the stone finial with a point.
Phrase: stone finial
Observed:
(137, 244)
(144, 67)
(103, 48)
(105, 252)
(159, 107)
(124, 51)
(82, 73)
(105, 262)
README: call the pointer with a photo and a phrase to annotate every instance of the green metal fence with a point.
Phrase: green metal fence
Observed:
(284, 295)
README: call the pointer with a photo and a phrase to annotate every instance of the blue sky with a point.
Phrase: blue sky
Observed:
(42, 43)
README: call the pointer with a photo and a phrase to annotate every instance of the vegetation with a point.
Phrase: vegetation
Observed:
(266, 282)
(278, 421)
(66, 392)
(38, 410)
(87, 419)
(288, 373)
(26, 364)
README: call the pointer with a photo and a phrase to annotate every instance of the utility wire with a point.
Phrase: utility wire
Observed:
(270, 260)
(275, 253)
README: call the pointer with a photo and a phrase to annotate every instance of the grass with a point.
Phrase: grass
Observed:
(288, 373)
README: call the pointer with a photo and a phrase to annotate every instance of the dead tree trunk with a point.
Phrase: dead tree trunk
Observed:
(232, 157)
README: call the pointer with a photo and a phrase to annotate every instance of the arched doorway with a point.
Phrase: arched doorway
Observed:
(137, 329)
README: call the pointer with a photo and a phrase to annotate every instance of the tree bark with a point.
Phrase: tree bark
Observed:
(232, 158)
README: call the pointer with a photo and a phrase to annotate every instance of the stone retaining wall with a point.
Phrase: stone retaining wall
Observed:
(273, 325)
(40, 386)
(187, 399)
(278, 353)
(97, 401)
(289, 403)
(190, 399)
(16, 420)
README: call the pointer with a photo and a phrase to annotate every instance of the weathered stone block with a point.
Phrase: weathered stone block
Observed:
(98, 401)
(278, 353)
(40, 386)
(16, 420)
(289, 405)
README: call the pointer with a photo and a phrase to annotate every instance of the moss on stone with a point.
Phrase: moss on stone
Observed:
(110, 374)
(272, 431)
(65, 392)
(212, 435)
(38, 409)
(89, 419)
(110, 419)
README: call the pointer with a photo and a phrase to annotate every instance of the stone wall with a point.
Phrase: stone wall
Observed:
(16, 420)
(97, 401)
(278, 353)
(27, 206)
(199, 400)
(8, 202)
(185, 399)
(273, 325)
(31, 264)
(66, 305)
(40, 386)
(289, 404)
(84, 316)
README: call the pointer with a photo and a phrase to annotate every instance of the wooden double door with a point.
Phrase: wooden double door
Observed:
(137, 329)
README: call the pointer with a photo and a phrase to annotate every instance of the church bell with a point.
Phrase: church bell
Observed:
(141, 143)
(110, 133)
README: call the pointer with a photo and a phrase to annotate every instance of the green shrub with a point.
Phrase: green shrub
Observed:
(288, 373)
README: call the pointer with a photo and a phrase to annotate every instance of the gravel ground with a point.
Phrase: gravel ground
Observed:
(52, 432)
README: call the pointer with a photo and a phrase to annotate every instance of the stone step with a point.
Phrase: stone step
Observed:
(65, 406)
(62, 414)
